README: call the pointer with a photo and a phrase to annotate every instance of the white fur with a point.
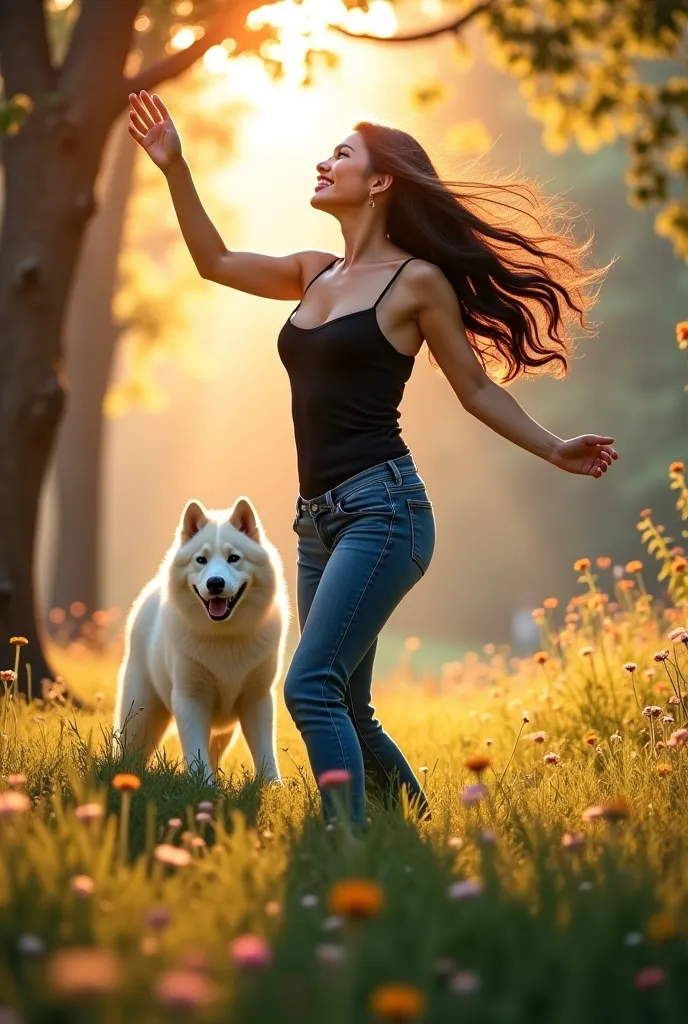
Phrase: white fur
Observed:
(213, 677)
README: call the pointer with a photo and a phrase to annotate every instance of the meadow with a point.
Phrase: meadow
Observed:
(549, 884)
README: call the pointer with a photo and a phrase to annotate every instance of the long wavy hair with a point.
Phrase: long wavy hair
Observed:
(506, 247)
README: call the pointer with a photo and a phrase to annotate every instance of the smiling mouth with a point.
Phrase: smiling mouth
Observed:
(323, 184)
(220, 608)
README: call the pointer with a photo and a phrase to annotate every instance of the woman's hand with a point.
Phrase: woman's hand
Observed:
(152, 127)
(589, 455)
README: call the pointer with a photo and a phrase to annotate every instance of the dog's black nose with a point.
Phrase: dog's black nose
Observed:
(215, 585)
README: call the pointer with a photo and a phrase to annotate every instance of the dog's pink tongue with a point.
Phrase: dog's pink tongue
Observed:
(217, 606)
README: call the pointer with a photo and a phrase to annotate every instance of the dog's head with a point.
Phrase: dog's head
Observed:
(221, 563)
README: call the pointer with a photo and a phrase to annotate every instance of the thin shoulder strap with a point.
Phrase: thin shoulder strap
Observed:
(396, 275)
(319, 273)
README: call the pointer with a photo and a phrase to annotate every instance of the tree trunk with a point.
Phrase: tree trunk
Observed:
(90, 342)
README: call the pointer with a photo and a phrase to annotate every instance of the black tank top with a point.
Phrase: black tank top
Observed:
(347, 381)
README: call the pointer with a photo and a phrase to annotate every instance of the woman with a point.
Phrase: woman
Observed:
(423, 261)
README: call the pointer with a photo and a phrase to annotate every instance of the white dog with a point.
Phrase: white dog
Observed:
(205, 642)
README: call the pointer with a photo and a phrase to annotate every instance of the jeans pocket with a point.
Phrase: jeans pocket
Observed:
(372, 496)
(422, 521)
(295, 524)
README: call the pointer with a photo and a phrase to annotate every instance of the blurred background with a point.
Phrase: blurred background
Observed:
(176, 387)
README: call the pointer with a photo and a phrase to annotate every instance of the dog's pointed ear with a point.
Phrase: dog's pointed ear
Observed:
(193, 519)
(243, 516)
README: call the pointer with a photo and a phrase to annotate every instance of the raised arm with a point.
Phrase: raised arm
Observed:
(272, 277)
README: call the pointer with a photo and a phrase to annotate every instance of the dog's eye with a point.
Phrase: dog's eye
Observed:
(233, 558)
(201, 559)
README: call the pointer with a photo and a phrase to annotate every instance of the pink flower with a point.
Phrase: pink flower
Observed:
(464, 982)
(203, 816)
(678, 738)
(207, 806)
(649, 977)
(473, 793)
(13, 803)
(18, 779)
(537, 737)
(593, 813)
(157, 917)
(573, 840)
(82, 885)
(334, 777)
(175, 856)
(250, 952)
(552, 758)
(89, 812)
(185, 989)
(466, 889)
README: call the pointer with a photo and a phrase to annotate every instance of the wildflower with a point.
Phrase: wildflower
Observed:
(541, 657)
(573, 840)
(593, 813)
(668, 719)
(592, 739)
(630, 667)
(7, 675)
(550, 602)
(273, 908)
(652, 711)
(185, 989)
(202, 817)
(634, 566)
(537, 737)
(473, 794)
(334, 777)
(250, 952)
(616, 810)
(175, 822)
(18, 641)
(466, 889)
(674, 699)
(603, 562)
(679, 565)
(581, 565)
(677, 467)
(679, 635)
(464, 982)
(525, 718)
(356, 898)
(616, 737)
(89, 812)
(18, 779)
(649, 977)
(538, 614)
(13, 803)
(682, 331)
(82, 972)
(552, 758)
(489, 837)
(309, 901)
(661, 927)
(207, 806)
(478, 763)
(197, 842)
(174, 856)
(586, 652)
(397, 1002)
(661, 656)
(158, 917)
(626, 584)
(678, 738)
(82, 885)
(332, 954)
(31, 945)
(125, 782)
(455, 842)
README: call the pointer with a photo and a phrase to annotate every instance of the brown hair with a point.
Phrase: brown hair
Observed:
(522, 283)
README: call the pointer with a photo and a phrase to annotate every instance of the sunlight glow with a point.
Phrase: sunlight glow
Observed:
(61, 5)
(183, 38)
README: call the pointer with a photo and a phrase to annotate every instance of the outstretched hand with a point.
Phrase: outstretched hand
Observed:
(151, 125)
(588, 455)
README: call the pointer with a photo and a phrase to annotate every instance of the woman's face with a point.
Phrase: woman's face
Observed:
(344, 178)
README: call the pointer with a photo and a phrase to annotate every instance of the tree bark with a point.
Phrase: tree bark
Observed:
(90, 341)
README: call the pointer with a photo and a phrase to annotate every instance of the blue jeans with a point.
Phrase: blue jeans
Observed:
(361, 546)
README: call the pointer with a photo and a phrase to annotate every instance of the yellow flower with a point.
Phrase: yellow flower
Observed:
(397, 1002)
(478, 763)
(541, 657)
(663, 769)
(592, 739)
(581, 565)
(20, 641)
(356, 897)
(634, 566)
(661, 927)
(126, 782)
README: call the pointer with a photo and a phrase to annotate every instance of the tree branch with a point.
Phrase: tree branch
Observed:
(230, 21)
(24, 52)
(99, 45)
(455, 25)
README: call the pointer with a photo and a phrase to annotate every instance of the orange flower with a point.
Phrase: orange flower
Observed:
(551, 602)
(592, 739)
(646, 513)
(626, 584)
(538, 613)
(663, 769)
(616, 810)
(677, 467)
(19, 641)
(397, 1002)
(603, 562)
(83, 972)
(634, 566)
(126, 782)
(679, 565)
(541, 657)
(581, 565)
(356, 897)
(661, 927)
(682, 331)
(478, 763)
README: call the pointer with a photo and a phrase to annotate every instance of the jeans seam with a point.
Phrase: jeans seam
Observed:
(343, 638)
(414, 554)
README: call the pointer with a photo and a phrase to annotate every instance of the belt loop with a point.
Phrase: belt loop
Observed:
(395, 469)
(328, 499)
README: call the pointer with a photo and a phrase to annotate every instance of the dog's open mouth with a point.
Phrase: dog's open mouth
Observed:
(220, 608)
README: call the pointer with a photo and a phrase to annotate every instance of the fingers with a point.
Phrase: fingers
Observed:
(136, 134)
(151, 107)
(142, 111)
(136, 122)
(592, 439)
(161, 107)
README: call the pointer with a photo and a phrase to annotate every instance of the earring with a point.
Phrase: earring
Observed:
(371, 201)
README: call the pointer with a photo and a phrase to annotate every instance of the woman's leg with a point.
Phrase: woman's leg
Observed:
(369, 570)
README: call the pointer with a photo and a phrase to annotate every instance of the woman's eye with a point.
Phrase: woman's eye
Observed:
(201, 559)
(233, 558)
